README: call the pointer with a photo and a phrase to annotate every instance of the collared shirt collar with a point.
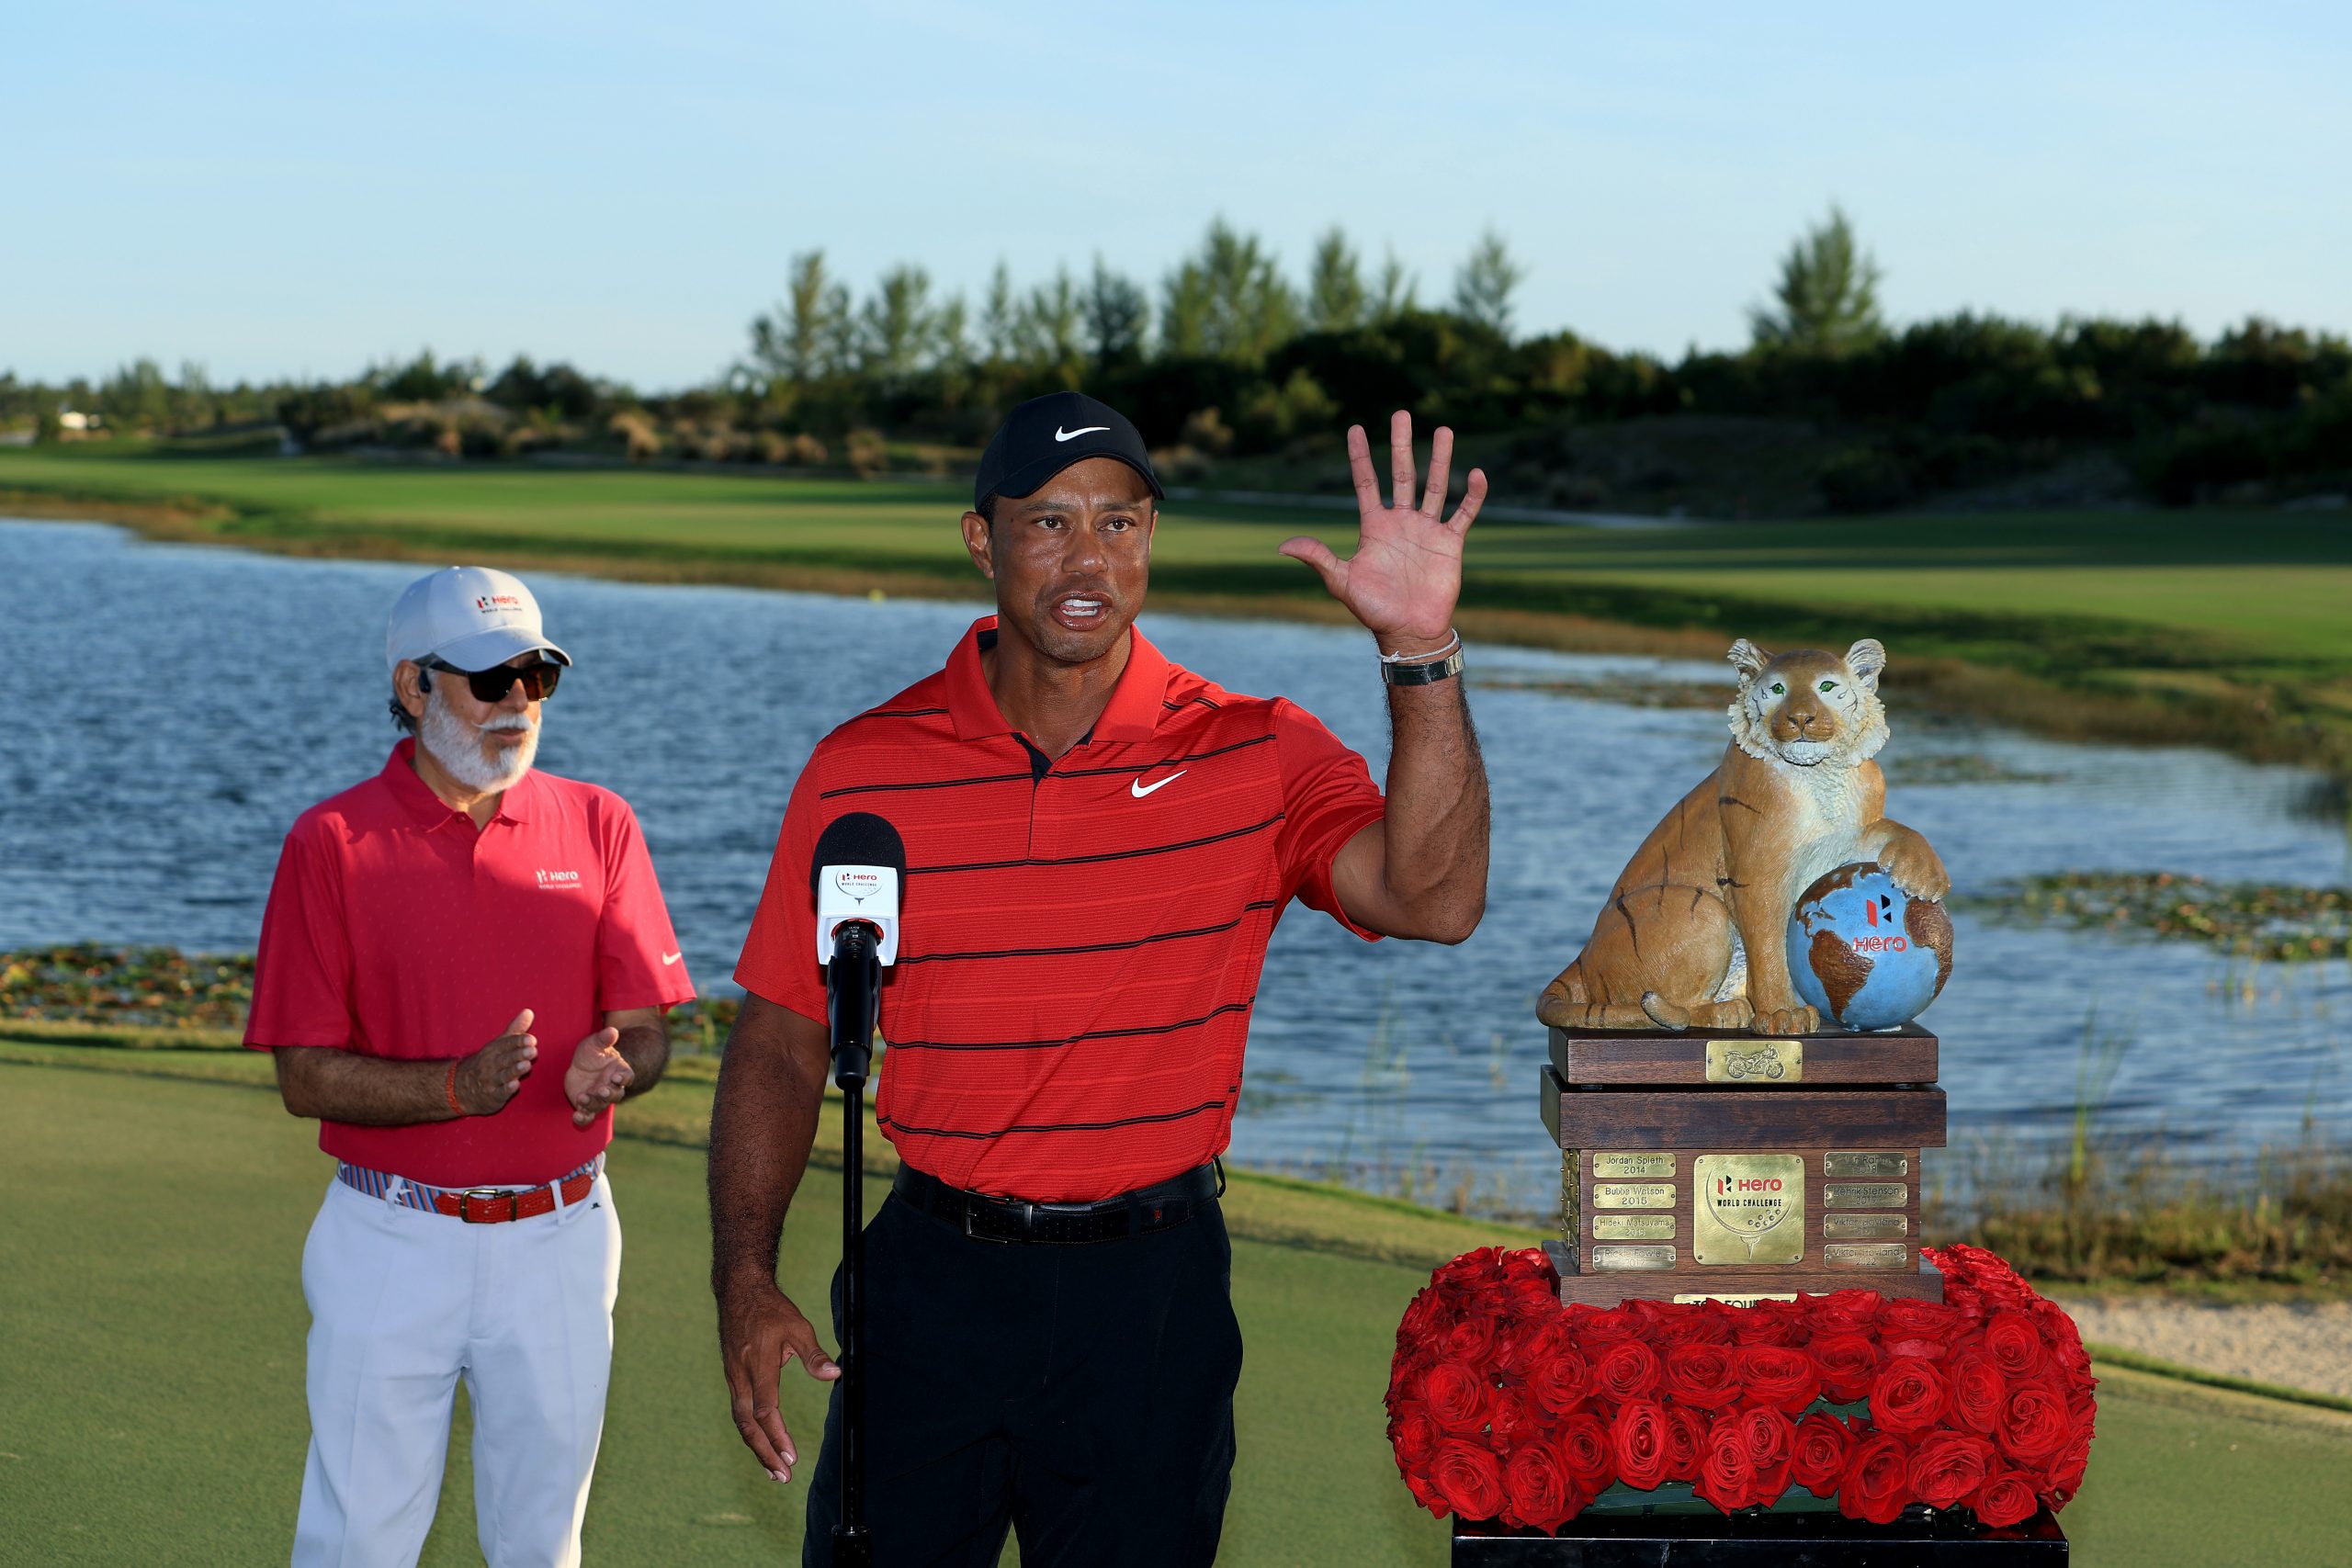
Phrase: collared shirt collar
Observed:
(429, 811)
(1137, 704)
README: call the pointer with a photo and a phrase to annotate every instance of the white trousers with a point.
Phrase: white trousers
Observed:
(404, 1302)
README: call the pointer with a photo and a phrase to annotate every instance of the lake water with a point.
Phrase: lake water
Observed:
(173, 708)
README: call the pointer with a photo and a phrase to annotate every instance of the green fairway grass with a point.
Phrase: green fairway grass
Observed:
(151, 1398)
(2228, 626)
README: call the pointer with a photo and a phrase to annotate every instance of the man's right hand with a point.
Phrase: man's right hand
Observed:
(759, 1331)
(487, 1080)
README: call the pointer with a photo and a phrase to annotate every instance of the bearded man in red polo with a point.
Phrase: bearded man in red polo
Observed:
(428, 930)
(1099, 843)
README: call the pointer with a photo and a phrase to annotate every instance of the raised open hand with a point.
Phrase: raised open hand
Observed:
(1406, 576)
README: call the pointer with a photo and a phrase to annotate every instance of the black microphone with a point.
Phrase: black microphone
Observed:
(854, 876)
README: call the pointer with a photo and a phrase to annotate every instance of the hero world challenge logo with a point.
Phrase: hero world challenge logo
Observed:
(857, 882)
(492, 603)
(1726, 1186)
(1893, 941)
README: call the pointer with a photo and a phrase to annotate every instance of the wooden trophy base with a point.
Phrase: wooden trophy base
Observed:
(1808, 1539)
(1739, 1168)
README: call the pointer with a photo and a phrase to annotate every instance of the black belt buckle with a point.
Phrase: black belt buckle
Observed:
(972, 1208)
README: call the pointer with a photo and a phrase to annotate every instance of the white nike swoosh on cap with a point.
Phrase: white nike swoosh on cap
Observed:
(670, 958)
(1061, 434)
(1140, 789)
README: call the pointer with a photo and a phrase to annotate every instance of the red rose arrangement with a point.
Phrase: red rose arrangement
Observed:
(1504, 1404)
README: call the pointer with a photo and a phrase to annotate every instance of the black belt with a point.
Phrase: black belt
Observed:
(983, 1218)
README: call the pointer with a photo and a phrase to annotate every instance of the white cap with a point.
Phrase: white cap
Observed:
(468, 616)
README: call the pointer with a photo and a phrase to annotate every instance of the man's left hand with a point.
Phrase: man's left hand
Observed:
(1406, 576)
(597, 1077)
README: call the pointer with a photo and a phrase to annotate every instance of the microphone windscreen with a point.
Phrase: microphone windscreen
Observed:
(859, 838)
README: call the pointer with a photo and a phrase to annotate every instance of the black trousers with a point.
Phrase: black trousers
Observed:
(1082, 1397)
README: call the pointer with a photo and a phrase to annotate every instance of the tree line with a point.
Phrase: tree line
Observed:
(1228, 356)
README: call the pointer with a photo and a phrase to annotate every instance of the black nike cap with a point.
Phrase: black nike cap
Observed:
(1047, 434)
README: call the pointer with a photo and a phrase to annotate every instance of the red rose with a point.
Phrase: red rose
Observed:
(1584, 1450)
(1641, 1443)
(1536, 1488)
(2061, 1338)
(1457, 1398)
(1686, 1442)
(1427, 1316)
(2066, 1470)
(1627, 1370)
(1978, 1390)
(1948, 1467)
(1849, 1363)
(1467, 1476)
(1764, 1328)
(1908, 1319)
(1726, 1475)
(1918, 1349)
(1777, 1376)
(1537, 1343)
(1602, 1325)
(1818, 1457)
(1561, 1382)
(2035, 1423)
(2005, 1498)
(1876, 1474)
(1771, 1440)
(2013, 1343)
(1843, 1312)
(1700, 1377)
(1472, 1340)
(1530, 1299)
(1415, 1438)
(1511, 1421)
(1907, 1397)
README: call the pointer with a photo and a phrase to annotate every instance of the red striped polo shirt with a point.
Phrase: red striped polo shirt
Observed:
(395, 928)
(1081, 940)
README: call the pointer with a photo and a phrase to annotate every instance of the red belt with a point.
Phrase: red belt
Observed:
(491, 1207)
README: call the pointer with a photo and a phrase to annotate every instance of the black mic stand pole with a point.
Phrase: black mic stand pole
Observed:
(854, 980)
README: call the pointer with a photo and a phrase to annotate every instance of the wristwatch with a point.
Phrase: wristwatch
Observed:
(1422, 675)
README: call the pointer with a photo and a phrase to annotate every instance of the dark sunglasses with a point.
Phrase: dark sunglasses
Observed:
(492, 686)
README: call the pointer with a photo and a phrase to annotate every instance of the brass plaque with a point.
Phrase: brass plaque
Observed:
(1747, 1209)
(1652, 1163)
(1632, 1194)
(1619, 1259)
(1756, 1060)
(1864, 1194)
(1866, 1255)
(1632, 1227)
(1733, 1298)
(1852, 1164)
(1848, 1227)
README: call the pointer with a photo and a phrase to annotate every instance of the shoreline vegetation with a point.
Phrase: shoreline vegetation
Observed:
(2101, 1213)
(2206, 627)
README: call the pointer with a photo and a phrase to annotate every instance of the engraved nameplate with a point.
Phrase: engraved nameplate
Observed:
(1754, 1060)
(1747, 1210)
(1632, 1227)
(1850, 1227)
(1648, 1162)
(1837, 1163)
(1619, 1259)
(1734, 1298)
(1632, 1194)
(1866, 1255)
(1864, 1194)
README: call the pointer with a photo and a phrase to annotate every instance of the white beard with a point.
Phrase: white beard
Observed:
(457, 746)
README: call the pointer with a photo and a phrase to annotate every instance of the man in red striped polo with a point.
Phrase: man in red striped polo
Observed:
(429, 928)
(1099, 843)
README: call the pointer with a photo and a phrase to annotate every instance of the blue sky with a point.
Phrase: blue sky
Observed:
(275, 189)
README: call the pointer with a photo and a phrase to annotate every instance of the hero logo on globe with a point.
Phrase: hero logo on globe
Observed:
(858, 882)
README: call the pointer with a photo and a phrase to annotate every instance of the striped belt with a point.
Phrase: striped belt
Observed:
(475, 1205)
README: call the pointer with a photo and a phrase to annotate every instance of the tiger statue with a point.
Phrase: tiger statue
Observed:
(1795, 796)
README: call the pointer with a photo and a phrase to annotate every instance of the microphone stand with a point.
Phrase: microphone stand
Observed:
(853, 981)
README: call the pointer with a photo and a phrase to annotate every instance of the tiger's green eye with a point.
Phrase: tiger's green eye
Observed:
(1778, 689)
(1829, 685)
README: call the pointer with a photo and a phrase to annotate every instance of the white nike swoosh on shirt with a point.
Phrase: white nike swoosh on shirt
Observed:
(670, 958)
(1140, 789)
(1061, 434)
